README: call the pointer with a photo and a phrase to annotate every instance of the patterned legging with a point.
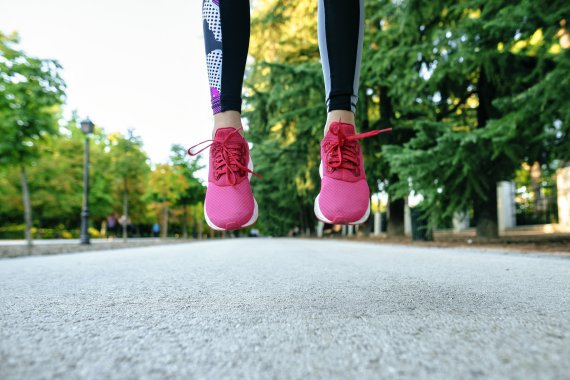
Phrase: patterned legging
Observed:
(226, 34)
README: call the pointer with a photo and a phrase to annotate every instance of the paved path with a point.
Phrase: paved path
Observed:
(21, 242)
(285, 309)
(18, 248)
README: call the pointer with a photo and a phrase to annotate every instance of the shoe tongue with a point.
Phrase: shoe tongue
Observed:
(222, 133)
(233, 137)
(346, 129)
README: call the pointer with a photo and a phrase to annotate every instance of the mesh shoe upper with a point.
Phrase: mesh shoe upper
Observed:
(344, 196)
(229, 201)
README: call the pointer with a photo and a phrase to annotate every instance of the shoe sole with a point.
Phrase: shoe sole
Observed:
(250, 222)
(320, 216)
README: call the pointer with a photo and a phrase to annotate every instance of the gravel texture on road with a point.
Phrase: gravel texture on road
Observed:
(285, 309)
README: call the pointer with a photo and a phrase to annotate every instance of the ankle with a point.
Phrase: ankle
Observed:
(339, 116)
(227, 119)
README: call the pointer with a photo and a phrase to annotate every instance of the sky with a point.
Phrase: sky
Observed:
(127, 63)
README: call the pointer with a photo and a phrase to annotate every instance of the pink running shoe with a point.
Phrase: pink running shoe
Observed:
(229, 203)
(344, 196)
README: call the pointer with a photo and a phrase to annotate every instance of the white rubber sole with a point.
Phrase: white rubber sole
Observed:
(319, 214)
(253, 218)
(250, 222)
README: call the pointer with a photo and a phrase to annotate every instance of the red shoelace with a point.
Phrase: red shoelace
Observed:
(228, 157)
(342, 153)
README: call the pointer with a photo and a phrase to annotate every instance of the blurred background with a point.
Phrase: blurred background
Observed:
(477, 94)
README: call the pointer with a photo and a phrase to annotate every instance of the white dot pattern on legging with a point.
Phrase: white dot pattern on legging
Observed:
(214, 63)
(211, 14)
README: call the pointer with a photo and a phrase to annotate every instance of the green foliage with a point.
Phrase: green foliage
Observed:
(59, 165)
(31, 92)
(56, 183)
(478, 103)
(49, 151)
(193, 191)
(129, 169)
(472, 89)
(285, 112)
(166, 184)
(286, 153)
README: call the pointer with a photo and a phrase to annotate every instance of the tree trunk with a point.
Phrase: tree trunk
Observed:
(486, 209)
(27, 207)
(386, 108)
(192, 223)
(125, 213)
(486, 216)
(396, 217)
(199, 222)
(396, 207)
(164, 233)
(185, 222)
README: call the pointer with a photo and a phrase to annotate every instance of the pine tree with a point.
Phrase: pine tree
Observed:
(472, 136)
(285, 112)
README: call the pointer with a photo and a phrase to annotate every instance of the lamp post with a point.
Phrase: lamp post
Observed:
(87, 128)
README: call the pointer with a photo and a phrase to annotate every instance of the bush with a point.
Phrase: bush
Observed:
(16, 231)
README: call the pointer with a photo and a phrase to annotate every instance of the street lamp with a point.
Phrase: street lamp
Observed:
(87, 128)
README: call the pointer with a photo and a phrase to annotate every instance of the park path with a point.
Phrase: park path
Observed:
(285, 309)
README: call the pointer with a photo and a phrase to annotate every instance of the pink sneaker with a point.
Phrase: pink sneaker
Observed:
(344, 196)
(229, 203)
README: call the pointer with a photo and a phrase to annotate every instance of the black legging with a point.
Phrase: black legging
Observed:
(226, 33)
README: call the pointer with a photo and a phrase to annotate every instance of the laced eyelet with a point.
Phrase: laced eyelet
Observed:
(226, 158)
(345, 151)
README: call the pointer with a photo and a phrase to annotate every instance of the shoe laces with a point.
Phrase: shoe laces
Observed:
(342, 151)
(228, 157)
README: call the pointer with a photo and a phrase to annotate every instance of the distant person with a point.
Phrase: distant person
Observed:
(111, 225)
(156, 230)
(125, 223)
(295, 231)
(344, 196)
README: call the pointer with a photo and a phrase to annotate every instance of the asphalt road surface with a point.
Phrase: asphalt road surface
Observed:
(285, 309)
(21, 242)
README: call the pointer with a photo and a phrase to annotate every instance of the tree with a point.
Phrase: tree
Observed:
(391, 46)
(102, 195)
(56, 178)
(471, 136)
(166, 186)
(129, 169)
(286, 113)
(31, 93)
(194, 193)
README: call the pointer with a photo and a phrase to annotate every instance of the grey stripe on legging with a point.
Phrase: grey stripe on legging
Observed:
(346, 97)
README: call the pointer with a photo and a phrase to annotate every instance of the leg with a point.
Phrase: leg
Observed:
(229, 203)
(341, 29)
(226, 34)
(344, 197)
